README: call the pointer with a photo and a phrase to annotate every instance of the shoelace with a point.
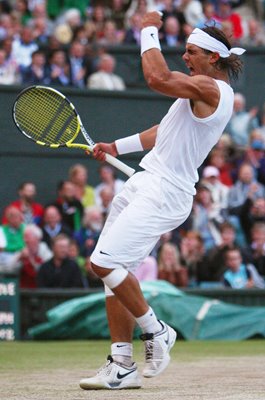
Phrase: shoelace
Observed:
(105, 369)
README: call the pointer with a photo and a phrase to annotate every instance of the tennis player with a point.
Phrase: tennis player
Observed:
(159, 198)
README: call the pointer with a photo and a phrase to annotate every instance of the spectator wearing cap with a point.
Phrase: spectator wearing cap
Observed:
(219, 191)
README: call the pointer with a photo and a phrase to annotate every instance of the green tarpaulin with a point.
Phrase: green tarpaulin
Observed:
(194, 317)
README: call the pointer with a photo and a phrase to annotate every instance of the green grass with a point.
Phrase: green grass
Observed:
(29, 356)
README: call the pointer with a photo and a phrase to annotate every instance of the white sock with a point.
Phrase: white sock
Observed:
(122, 353)
(148, 322)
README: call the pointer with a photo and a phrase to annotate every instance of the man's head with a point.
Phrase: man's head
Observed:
(14, 217)
(27, 192)
(52, 216)
(208, 50)
(228, 234)
(211, 174)
(233, 258)
(60, 247)
(246, 174)
(32, 236)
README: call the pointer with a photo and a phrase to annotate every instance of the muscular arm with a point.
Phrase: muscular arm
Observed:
(148, 137)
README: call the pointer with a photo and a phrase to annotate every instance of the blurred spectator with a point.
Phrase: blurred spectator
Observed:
(118, 9)
(108, 178)
(215, 262)
(56, 7)
(111, 36)
(255, 35)
(257, 246)
(99, 16)
(59, 69)
(11, 239)
(29, 260)
(169, 267)
(218, 159)
(205, 218)
(88, 235)
(80, 65)
(105, 78)
(78, 175)
(251, 212)
(169, 8)
(226, 13)
(171, 35)
(21, 10)
(208, 16)
(23, 47)
(36, 73)
(133, 32)
(147, 270)
(192, 256)
(239, 275)
(255, 155)
(246, 185)
(93, 280)
(242, 121)
(70, 208)
(219, 191)
(192, 10)
(105, 198)
(41, 31)
(52, 225)
(32, 212)
(74, 254)
(61, 271)
(9, 74)
(139, 6)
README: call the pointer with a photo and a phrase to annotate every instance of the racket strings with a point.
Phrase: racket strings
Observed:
(46, 117)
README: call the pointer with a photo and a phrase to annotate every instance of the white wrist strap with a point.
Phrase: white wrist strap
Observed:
(129, 144)
(149, 39)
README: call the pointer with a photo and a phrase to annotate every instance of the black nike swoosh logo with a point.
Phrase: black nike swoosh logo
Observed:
(121, 345)
(103, 252)
(153, 35)
(120, 376)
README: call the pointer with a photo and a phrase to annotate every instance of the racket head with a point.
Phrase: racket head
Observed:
(46, 116)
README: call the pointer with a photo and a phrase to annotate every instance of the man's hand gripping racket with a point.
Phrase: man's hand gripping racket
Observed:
(47, 117)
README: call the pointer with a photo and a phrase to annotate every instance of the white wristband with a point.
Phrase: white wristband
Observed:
(129, 144)
(149, 39)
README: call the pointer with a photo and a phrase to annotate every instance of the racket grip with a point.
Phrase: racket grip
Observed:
(120, 165)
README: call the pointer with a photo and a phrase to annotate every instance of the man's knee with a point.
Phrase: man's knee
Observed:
(111, 277)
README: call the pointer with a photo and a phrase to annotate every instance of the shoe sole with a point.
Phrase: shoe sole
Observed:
(151, 374)
(105, 386)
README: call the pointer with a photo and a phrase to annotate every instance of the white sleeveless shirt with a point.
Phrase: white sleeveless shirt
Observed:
(183, 140)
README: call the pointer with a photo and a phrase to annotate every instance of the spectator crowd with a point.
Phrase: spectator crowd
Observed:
(49, 245)
(66, 42)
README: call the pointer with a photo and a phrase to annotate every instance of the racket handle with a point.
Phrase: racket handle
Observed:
(120, 165)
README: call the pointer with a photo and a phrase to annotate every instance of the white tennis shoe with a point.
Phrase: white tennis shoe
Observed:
(157, 348)
(113, 376)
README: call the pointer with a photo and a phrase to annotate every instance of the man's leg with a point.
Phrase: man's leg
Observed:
(159, 337)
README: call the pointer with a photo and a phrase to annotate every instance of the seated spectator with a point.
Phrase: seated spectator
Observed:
(74, 254)
(192, 10)
(239, 275)
(255, 155)
(218, 159)
(226, 13)
(205, 218)
(169, 267)
(59, 69)
(23, 47)
(88, 235)
(61, 271)
(245, 186)
(255, 35)
(242, 121)
(108, 178)
(192, 256)
(105, 78)
(36, 73)
(29, 260)
(215, 261)
(133, 32)
(70, 208)
(106, 195)
(52, 225)
(11, 239)
(9, 73)
(147, 270)
(80, 65)
(219, 191)
(78, 175)
(208, 16)
(251, 212)
(171, 33)
(32, 211)
(257, 247)
(111, 36)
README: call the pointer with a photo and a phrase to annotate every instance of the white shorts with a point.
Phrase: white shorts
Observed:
(147, 207)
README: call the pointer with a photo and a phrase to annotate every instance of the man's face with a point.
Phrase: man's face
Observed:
(196, 60)
(233, 260)
(28, 192)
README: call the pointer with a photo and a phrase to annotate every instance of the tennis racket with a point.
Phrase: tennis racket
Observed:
(46, 116)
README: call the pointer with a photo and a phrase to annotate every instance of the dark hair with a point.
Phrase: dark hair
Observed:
(232, 64)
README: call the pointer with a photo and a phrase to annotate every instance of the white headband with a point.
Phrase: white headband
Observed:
(207, 42)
